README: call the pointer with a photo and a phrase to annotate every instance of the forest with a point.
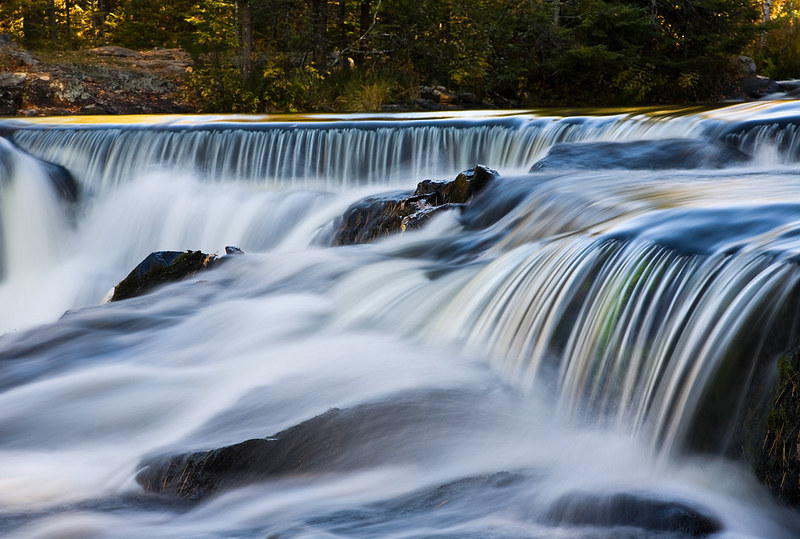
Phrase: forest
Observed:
(318, 55)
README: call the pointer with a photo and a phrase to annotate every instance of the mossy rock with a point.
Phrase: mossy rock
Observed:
(778, 463)
(159, 268)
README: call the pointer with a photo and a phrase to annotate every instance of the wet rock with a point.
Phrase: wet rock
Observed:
(777, 463)
(61, 180)
(377, 216)
(159, 268)
(365, 435)
(640, 154)
(630, 511)
(233, 250)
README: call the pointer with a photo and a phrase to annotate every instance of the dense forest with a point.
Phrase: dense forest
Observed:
(270, 55)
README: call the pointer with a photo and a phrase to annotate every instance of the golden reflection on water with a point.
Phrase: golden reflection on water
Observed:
(723, 111)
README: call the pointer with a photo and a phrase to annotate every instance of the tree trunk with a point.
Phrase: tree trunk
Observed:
(51, 16)
(68, 9)
(33, 22)
(246, 35)
(319, 18)
(342, 28)
(365, 20)
(101, 21)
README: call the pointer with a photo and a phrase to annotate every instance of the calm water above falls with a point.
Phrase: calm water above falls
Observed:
(573, 355)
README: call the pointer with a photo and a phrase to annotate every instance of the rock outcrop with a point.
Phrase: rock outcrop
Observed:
(159, 268)
(105, 80)
(378, 216)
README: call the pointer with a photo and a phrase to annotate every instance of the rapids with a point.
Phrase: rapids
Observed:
(587, 342)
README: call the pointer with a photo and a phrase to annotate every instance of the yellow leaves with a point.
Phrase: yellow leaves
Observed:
(688, 80)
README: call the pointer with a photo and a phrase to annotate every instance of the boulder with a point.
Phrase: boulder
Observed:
(159, 268)
(777, 464)
(751, 87)
(378, 216)
(338, 440)
(61, 180)
(631, 511)
(12, 86)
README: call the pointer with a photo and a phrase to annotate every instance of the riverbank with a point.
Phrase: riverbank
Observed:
(116, 80)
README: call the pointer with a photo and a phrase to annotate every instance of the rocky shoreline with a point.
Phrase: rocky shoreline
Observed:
(105, 80)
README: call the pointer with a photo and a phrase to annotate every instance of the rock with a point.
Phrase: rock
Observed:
(641, 154)
(365, 435)
(377, 216)
(630, 511)
(752, 87)
(426, 104)
(12, 86)
(17, 55)
(777, 464)
(233, 250)
(109, 50)
(469, 98)
(61, 180)
(745, 65)
(159, 268)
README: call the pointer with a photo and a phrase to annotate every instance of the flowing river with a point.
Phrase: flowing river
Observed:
(575, 354)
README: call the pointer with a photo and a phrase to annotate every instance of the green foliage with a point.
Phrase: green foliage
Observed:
(218, 88)
(777, 51)
(264, 55)
(365, 93)
(141, 24)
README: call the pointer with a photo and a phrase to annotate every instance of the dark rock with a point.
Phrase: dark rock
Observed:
(381, 215)
(640, 154)
(426, 104)
(469, 99)
(753, 87)
(159, 268)
(365, 435)
(12, 86)
(629, 510)
(61, 180)
(777, 464)
(373, 218)
(233, 250)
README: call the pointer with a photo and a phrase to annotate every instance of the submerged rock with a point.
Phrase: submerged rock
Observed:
(381, 215)
(777, 465)
(639, 155)
(161, 267)
(337, 440)
(630, 511)
(61, 180)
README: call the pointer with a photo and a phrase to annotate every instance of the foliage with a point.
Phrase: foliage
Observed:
(267, 55)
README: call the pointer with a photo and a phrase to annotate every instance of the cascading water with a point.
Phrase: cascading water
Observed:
(575, 354)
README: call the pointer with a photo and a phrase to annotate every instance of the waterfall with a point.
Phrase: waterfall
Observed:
(328, 155)
(578, 351)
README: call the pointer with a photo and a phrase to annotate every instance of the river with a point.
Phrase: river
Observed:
(575, 354)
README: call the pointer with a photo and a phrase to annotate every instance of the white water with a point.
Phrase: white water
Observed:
(581, 330)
